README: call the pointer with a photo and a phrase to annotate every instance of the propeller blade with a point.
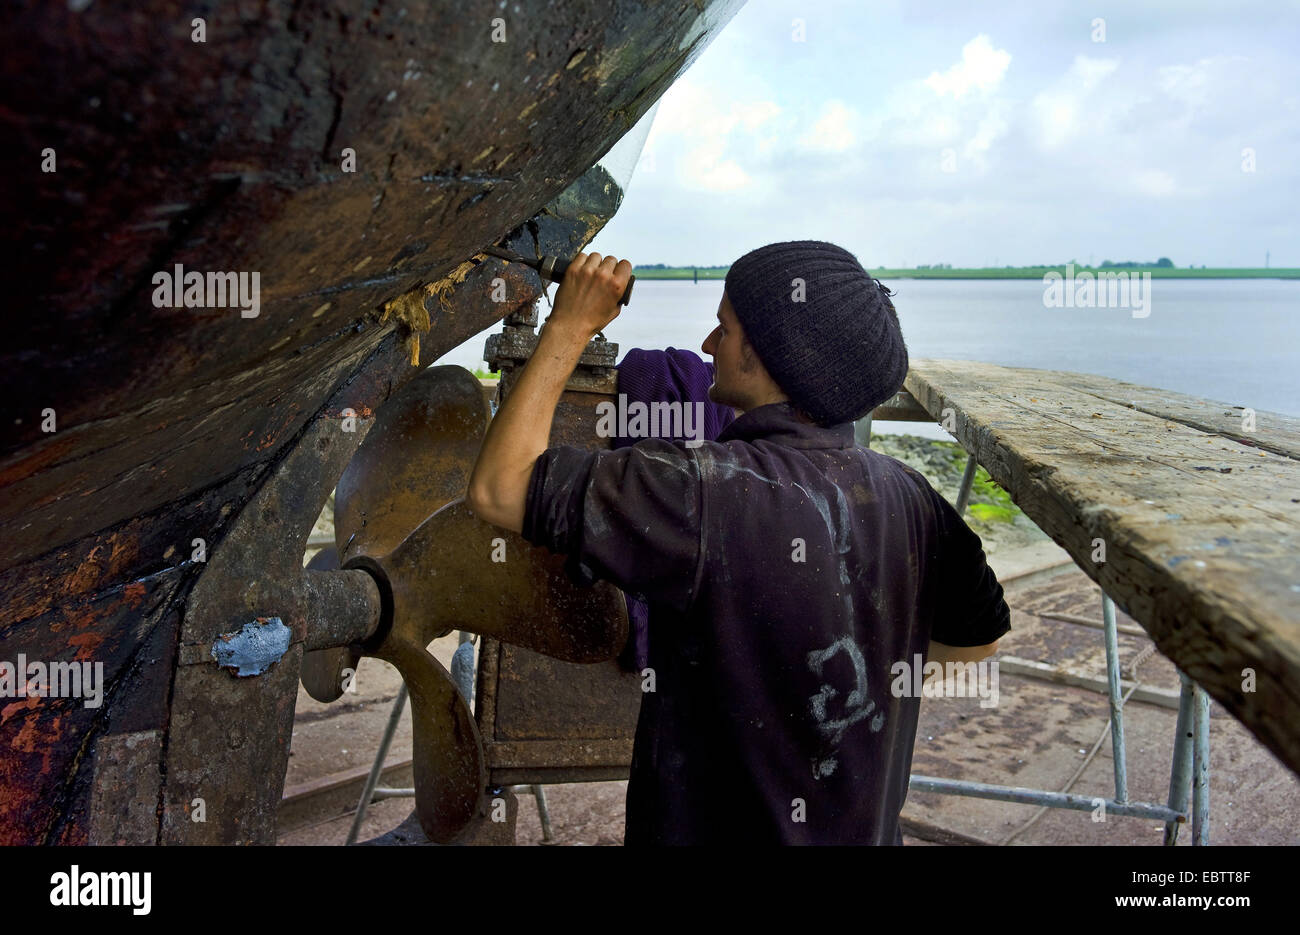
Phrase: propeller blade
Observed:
(448, 759)
(417, 457)
(400, 514)
(457, 571)
(447, 750)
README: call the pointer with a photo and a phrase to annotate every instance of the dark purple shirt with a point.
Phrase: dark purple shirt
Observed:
(652, 376)
(787, 569)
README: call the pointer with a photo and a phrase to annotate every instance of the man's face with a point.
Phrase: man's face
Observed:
(737, 371)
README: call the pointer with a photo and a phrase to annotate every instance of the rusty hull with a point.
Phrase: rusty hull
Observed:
(122, 527)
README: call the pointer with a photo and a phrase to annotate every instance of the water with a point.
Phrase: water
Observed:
(1231, 340)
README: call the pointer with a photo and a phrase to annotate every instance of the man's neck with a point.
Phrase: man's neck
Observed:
(776, 396)
(799, 413)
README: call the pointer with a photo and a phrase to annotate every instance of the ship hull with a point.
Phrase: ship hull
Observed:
(354, 157)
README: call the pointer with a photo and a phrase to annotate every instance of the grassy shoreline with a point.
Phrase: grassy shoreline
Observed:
(1010, 272)
(998, 522)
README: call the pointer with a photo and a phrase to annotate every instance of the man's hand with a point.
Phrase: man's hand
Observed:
(587, 300)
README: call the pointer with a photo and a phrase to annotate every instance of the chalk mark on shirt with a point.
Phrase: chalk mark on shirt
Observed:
(840, 533)
(727, 470)
(856, 706)
(676, 464)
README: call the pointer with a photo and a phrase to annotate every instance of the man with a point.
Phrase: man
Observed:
(786, 568)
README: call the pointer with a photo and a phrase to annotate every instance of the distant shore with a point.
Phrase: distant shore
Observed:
(1008, 272)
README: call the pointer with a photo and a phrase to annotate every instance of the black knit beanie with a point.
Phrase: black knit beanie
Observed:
(823, 327)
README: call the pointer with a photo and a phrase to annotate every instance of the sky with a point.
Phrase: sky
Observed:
(979, 134)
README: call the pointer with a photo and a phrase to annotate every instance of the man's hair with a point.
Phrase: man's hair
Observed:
(885, 291)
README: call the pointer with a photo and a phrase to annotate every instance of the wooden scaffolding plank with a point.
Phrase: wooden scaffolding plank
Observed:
(1201, 534)
(1273, 431)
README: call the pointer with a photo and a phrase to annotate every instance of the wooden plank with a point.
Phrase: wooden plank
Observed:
(562, 752)
(333, 795)
(1125, 628)
(1273, 431)
(1201, 534)
(901, 407)
(1029, 668)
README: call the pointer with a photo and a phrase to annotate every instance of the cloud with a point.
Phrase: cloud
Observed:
(1067, 107)
(1194, 85)
(921, 126)
(958, 108)
(706, 143)
(991, 126)
(1154, 182)
(833, 131)
(931, 147)
(981, 66)
(705, 167)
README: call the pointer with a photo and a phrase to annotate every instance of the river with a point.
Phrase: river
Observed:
(1232, 340)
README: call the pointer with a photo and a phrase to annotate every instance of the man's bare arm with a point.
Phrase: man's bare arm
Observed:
(943, 653)
(585, 303)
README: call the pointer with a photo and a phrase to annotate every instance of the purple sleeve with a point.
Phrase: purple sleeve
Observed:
(630, 516)
(674, 375)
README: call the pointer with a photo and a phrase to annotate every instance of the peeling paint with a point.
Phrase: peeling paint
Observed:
(254, 648)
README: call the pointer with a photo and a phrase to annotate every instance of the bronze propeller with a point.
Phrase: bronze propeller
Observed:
(400, 514)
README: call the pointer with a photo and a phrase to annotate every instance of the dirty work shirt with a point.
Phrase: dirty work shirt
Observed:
(786, 569)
